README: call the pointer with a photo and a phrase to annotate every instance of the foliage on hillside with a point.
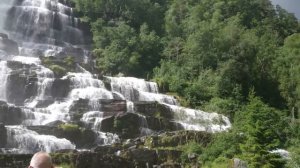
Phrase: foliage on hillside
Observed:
(236, 57)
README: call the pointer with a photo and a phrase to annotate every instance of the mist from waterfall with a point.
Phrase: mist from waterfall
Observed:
(5, 5)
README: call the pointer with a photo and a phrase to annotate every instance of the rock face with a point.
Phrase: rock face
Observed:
(21, 82)
(3, 136)
(10, 115)
(153, 109)
(126, 125)
(135, 153)
(81, 137)
(109, 107)
(60, 88)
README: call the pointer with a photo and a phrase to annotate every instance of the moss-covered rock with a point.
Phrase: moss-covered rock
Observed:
(14, 160)
(81, 137)
(178, 138)
(126, 125)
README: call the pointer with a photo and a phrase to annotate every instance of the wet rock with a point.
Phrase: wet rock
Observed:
(21, 83)
(3, 135)
(16, 88)
(112, 107)
(60, 88)
(81, 137)
(126, 125)
(44, 103)
(9, 46)
(109, 107)
(31, 87)
(78, 108)
(10, 115)
(55, 123)
(153, 109)
(159, 124)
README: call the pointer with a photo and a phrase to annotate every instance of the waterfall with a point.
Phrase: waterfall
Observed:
(45, 80)
(49, 28)
(44, 21)
(4, 72)
(5, 5)
(92, 119)
(199, 120)
(26, 141)
(134, 89)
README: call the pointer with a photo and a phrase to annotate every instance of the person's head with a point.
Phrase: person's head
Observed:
(41, 160)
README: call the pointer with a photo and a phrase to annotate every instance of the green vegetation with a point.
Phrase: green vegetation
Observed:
(60, 68)
(69, 127)
(235, 57)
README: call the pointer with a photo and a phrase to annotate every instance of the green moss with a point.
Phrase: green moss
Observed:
(58, 70)
(64, 165)
(69, 127)
(63, 160)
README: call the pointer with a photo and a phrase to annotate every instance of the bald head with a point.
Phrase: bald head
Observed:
(41, 160)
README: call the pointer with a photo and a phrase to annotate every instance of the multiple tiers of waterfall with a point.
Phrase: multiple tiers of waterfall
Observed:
(49, 27)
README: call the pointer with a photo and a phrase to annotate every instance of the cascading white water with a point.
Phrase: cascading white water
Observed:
(26, 141)
(4, 72)
(199, 120)
(45, 80)
(5, 5)
(93, 119)
(44, 21)
(127, 86)
(134, 89)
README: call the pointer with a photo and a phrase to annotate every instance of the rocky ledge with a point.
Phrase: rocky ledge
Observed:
(162, 150)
